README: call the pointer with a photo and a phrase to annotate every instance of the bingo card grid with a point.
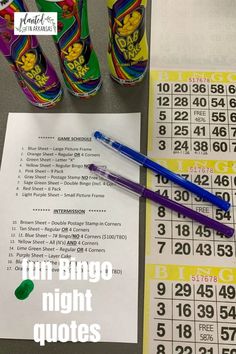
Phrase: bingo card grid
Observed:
(191, 313)
(191, 119)
(195, 118)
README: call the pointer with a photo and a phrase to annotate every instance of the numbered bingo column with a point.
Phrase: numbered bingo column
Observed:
(182, 227)
(161, 321)
(163, 113)
(183, 318)
(224, 187)
(161, 226)
(181, 119)
(206, 317)
(219, 127)
(200, 119)
(226, 310)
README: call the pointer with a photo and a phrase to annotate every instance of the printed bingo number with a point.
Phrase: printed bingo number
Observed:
(196, 118)
(193, 318)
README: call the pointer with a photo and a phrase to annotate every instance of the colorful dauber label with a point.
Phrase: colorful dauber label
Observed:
(32, 66)
(79, 63)
(127, 52)
(76, 60)
(4, 4)
(129, 32)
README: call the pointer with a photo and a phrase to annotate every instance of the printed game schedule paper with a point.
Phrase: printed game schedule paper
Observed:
(53, 208)
(190, 277)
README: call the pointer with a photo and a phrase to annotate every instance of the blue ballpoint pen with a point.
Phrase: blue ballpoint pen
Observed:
(155, 167)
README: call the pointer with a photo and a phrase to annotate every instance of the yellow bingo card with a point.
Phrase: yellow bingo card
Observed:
(190, 275)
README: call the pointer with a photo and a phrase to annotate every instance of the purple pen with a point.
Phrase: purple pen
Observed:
(159, 199)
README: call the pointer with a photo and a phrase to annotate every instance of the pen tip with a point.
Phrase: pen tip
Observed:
(97, 135)
(92, 167)
(230, 232)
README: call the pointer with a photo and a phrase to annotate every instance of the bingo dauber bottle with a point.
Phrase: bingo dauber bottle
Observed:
(79, 63)
(35, 74)
(127, 49)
